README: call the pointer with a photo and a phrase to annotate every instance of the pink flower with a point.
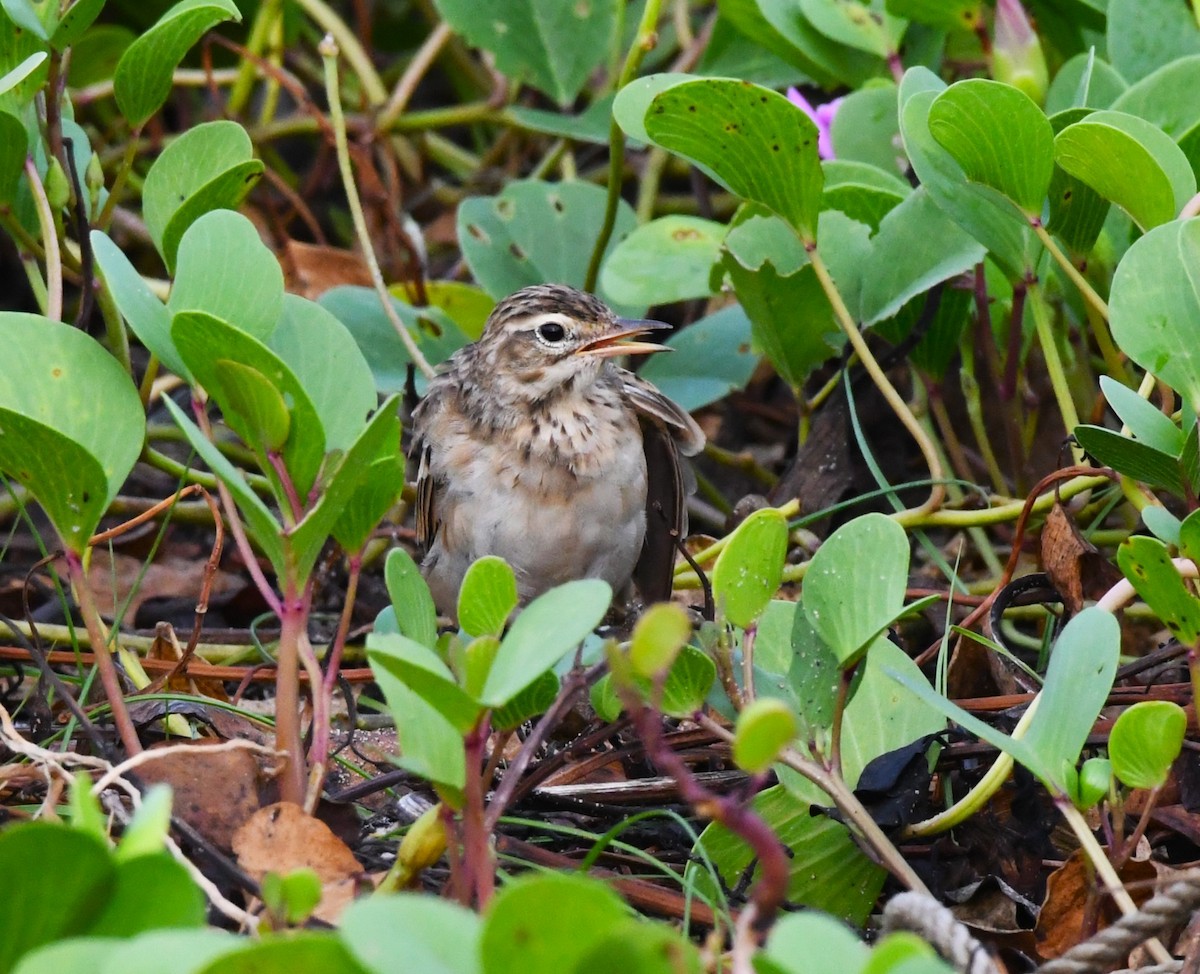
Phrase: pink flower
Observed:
(822, 115)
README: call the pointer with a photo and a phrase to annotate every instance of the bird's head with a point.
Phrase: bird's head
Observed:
(552, 337)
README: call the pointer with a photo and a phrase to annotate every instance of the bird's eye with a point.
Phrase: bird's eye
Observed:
(551, 331)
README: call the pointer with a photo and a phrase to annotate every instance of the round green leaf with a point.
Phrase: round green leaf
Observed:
(301, 952)
(78, 17)
(416, 616)
(749, 569)
(1154, 306)
(658, 637)
(752, 139)
(535, 232)
(518, 939)
(534, 700)
(409, 932)
(551, 626)
(854, 24)
(644, 948)
(209, 167)
(855, 585)
(1000, 138)
(688, 683)
(1145, 741)
(143, 78)
(555, 47)
(665, 260)
(71, 420)
(225, 270)
(487, 597)
(764, 728)
(1090, 785)
(156, 878)
(258, 404)
(41, 907)
(1143, 35)
(866, 129)
(712, 357)
(1129, 161)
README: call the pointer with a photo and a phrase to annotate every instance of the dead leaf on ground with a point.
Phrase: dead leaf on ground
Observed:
(215, 791)
(112, 577)
(311, 269)
(1060, 924)
(280, 838)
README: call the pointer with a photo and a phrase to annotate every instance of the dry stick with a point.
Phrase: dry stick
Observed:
(417, 68)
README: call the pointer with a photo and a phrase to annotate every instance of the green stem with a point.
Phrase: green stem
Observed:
(268, 14)
(910, 422)
(54, 279)
(346, 41)
(118, 186)
(644, 41)
(1058, 377)
(1077, 278)
(329, 53)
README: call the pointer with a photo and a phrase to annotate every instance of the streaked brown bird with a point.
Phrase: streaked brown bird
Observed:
(534, 445)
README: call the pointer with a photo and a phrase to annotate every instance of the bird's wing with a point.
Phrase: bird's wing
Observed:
(667, 431)
(427, 487)
(652, 404)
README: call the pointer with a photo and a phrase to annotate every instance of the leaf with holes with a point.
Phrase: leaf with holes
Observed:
(536, 232)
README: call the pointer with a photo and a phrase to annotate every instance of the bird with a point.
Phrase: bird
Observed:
(532, 444)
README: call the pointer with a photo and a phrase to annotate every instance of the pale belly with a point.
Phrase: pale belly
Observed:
(550, 525)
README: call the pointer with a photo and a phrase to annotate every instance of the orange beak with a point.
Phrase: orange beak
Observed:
(615, 343)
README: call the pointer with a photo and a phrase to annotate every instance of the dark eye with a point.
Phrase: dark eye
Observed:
(551, 331)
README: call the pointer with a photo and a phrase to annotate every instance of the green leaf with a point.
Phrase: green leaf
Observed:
(1165, 96)
(207, 344)
(1131, 457)
(749, 569)
(896, 271)
(1092, 782)
(26, 17)
(209, 167)
(293, 896)
(42, 907)
(1000, 138)
(95, 55)
(535, 699)
(764, 728)
(259, 406)
(487, 597)
(1143, 35)
(855, 584)
(147, 830)
(11, 79)
(551, 626)
(407, 932)
(71, 422)
(225, 270)
(980, 210)
(1129, 161)
(809, 943)
(415, 612)
(797, 39)
(1145, 741)
(712, 358)
(261, 524)
(680, 249)
(155, 878)
(1187, 534)
(378, 493)
(1154, 306)
(421, 670)
(658, 637)
(327, 362)
(1078, 680)
(647, 948)
(1163, 524)
(146, 315)
(854, 24)
(380, 440)
(1145, 421)
(430, 746)
(300, 952)
(1077, 212)
(79, 16)
(752, 139)
(143, 79)
(534, 232)
(946, 14)
(553, 46)
(13, 142)
(360, 310)
(1084, 81)
(517, 939)
(1147, 564)
(688, 683)
(592, 125)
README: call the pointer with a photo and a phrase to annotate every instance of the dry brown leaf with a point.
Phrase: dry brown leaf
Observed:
(280, 838)
(112, 577)
(311, 269)
(1076, 568)
(1060, 924)
(215, 791)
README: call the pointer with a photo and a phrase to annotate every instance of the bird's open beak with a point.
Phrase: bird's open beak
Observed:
(616, 342)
